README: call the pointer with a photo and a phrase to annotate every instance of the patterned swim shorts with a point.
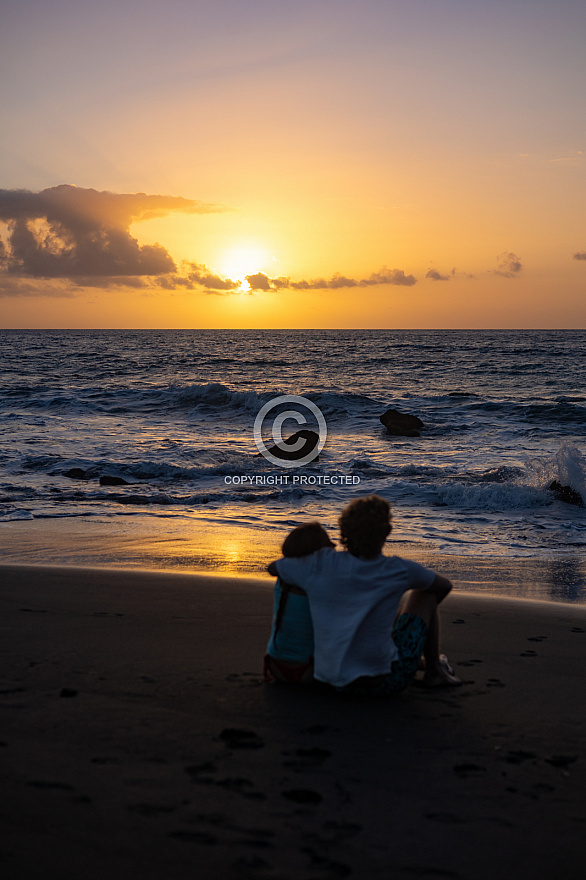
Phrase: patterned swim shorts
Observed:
(409, 635)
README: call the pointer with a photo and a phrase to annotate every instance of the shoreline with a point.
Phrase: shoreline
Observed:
(254, 581)
(140, 740)
(216, 546)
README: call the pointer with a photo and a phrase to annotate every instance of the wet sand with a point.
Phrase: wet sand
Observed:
(138, 740)
(213, 544)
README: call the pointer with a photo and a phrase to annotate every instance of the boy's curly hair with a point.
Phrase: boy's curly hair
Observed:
(365, 523)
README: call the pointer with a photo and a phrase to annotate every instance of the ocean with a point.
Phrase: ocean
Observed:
(172, 414)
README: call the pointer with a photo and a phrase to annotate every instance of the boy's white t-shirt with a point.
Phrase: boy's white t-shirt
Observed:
(353, 605)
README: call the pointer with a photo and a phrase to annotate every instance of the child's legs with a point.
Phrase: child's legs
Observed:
(424, 605)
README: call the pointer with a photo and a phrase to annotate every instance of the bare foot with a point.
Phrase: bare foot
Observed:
(444, 662)
(440, 677)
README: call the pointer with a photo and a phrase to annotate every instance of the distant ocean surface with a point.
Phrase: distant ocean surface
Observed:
(172, 413)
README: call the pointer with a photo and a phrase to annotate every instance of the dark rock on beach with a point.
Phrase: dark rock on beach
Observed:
(311, 439)
(566, 494)
(401, 424)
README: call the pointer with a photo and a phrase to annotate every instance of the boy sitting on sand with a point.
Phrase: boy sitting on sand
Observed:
(365, 643)
(290, 649)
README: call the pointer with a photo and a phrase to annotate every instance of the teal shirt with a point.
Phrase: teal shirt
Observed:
(294, 640)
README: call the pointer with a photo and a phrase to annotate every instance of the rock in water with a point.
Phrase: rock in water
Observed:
(108, 480)
(311, 439)
(75, 474)
(566, 494)
(401, 424)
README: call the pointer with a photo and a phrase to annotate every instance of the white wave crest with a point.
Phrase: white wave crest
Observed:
(567, 466)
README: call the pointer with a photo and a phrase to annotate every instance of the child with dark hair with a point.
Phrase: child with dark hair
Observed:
(290, 649)
(365, 524)
(368, 639)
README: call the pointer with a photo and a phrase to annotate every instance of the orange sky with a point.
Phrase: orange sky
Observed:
(389, 163)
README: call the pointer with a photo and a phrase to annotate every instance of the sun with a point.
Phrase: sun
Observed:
(238, 262)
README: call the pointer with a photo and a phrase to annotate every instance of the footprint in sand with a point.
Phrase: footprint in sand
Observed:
(150, 809)
(446, 818)
(315, 754)
(428, 871)
(202, 774)
(243, 866)
(246, 679)
(236, 738)
(316, 729)
(50, 786)
(261, 838)
(561, 760)
(341, 830)
(200, 837)
(241, 786)
(466, 770)
(518, 756)
(305, 759)
(303, 796)
(331, 869)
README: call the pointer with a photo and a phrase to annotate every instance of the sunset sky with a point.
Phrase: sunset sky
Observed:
(293, 163)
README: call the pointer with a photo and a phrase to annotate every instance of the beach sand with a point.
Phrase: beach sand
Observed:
(139, 740)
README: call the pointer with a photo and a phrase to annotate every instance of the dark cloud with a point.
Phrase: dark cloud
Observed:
(4, 257)
(72, 232)
(580, 256)
(316, 284)
(260, 281)
(201, 276)
(389, 276)
(11, 286)
(509, 267)
(193, 277)
(434, 275)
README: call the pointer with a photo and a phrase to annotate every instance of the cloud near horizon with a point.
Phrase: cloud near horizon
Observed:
(397, 277)
(76, 237)
(196, 276)
(68, 232)
(509, 267)
(66, 238)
